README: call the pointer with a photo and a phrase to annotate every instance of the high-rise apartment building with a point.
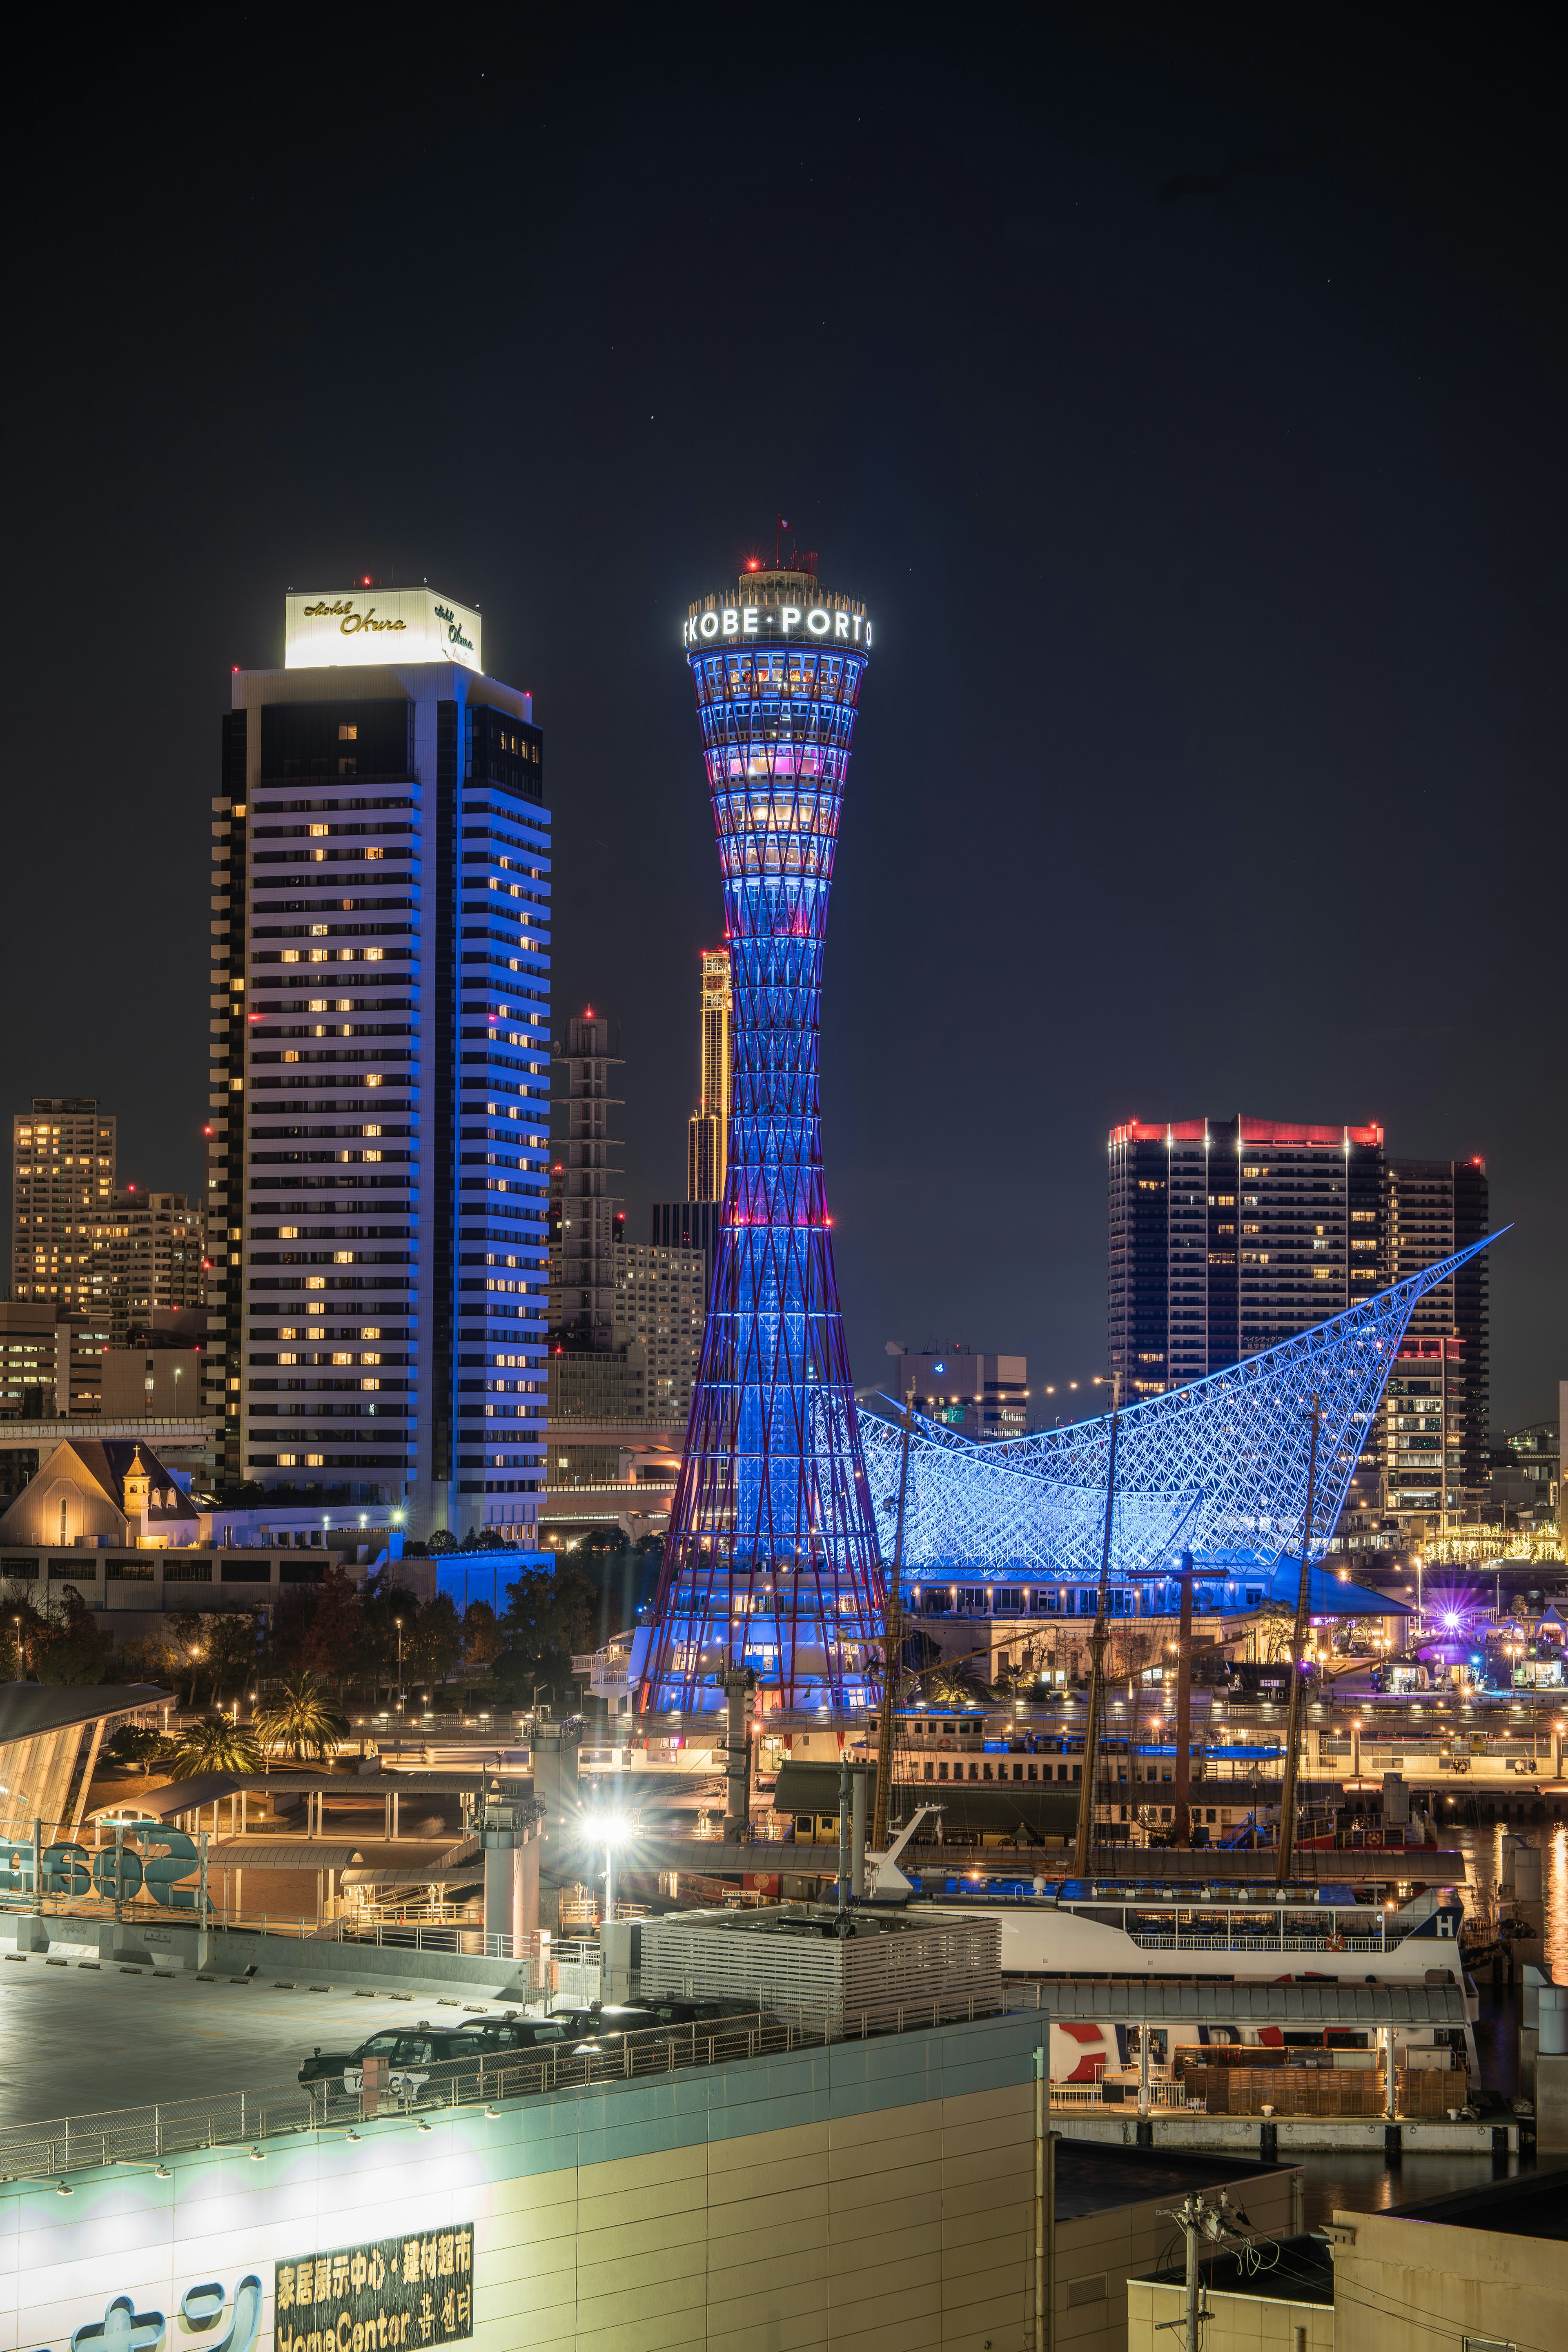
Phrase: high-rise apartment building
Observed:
(62, 1178)
(708, 1129)
(1437, 1405)
(1227, 1235)
(661, 1296)
(149, 1249)
(1436, 1208)
(380, 1088)
(586, 1220)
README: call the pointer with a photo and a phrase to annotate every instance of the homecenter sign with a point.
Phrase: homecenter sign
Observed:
(817, 623)
(349, 627)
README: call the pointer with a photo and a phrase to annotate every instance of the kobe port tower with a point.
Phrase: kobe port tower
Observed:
(771, 1563)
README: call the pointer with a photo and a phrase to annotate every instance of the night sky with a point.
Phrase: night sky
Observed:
(1181, 389)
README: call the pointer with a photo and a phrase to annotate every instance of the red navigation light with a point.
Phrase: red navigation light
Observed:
(206, 1130)
(753, 564)
(366, 582)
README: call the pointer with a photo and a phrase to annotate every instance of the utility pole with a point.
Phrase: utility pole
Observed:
(1181, 1809)
(1084, 1850)
(892, 1649)
(1197, 2219)
(1189, 2225)
(1287, 1848)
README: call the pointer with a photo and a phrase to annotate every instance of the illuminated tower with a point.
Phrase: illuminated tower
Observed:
(772, 1559)
(708, 1129)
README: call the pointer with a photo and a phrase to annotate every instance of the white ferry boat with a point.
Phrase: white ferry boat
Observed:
(1235, 1933)
(1231, 1936)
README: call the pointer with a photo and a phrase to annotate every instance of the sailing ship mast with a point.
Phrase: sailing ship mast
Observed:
(1297, 1650)
(1084, 1849)
(892, 1649)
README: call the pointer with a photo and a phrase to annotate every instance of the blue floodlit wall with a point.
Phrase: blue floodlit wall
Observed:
(1219, 1469)
(771, 1561)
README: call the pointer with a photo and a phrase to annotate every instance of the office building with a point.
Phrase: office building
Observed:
(149, 1249)
(708, 1129)
(689, 1225)
(660, 1298)
(585, 1215)
(380, 1085)
(983, 1397)
(62, 1178)
(1228, 1235)
(51, 1364)
(153, 1383)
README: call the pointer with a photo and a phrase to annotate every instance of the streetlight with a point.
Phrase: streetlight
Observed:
(609, 1831)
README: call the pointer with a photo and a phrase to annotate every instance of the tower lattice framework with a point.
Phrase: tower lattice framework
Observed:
(772, 1558)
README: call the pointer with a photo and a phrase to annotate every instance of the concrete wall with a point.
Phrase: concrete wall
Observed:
(228, 1952)
(1236, 2323)
(1551, 2094)
(1406, 2286)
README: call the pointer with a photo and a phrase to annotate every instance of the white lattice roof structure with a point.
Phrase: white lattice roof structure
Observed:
(1218, 1466)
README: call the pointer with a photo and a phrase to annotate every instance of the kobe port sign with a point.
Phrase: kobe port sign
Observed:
(822, 623)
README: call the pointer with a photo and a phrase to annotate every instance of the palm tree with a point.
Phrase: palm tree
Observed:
(298, 1720)
(214, 1744)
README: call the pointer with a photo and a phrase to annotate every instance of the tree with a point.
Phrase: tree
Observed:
(549, 1616)
(183, 1649)
(297, 1721)
(316, 1628)
(384, 1604)
(433, 1644)
(25, 1629)
(1273, 1630)
(136, 1745)
(229, 1642)
(442, 1539)
(481, 1634)
(214, 1744)
(70, 1646)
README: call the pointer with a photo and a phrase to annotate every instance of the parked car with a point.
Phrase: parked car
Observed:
(409, 2051)
(608, 2022)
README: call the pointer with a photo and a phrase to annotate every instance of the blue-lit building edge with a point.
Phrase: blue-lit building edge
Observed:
(1224, 1587)
(1219, 1468)
(501, 1196)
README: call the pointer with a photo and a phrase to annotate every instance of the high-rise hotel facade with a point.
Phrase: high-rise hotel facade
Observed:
(377, 1164)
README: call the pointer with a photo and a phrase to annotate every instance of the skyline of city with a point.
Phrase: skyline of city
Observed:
(726, 1631)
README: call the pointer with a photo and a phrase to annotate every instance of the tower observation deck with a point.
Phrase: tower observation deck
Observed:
(771, 1562)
